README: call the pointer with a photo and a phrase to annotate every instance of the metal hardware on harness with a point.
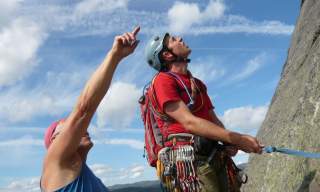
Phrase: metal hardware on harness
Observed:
(180, 135)
(177, 169)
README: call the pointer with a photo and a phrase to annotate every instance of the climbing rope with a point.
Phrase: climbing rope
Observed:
(271, 149)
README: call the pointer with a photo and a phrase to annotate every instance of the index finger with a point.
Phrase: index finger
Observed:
(136, 30)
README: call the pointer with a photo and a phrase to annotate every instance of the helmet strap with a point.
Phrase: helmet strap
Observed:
(177, 58)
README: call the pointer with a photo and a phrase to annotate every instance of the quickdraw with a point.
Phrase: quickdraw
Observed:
(175, 168)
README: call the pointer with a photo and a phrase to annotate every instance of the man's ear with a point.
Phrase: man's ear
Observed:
(166, 55)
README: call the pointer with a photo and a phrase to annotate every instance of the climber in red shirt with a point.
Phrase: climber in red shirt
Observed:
(185, 100)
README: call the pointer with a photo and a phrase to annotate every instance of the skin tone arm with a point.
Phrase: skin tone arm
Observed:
(215, 119)
(230, 149)
(95, 89)
(179, 111)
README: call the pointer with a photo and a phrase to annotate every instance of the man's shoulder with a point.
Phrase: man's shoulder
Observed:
(163, 77)
(200, 83)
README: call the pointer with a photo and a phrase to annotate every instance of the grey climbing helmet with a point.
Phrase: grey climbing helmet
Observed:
(153, 50)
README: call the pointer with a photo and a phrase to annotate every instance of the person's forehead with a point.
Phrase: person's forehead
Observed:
(58, 128)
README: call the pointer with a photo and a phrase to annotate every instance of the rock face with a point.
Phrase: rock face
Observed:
(293, 119)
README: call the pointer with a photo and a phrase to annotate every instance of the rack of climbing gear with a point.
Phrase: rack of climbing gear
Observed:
(176, 170)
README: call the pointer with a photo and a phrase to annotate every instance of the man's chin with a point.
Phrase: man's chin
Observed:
(87, 145)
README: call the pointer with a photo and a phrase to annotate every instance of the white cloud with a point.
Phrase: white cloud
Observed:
(20, 38)
(252, 66)
(231, 25)
(30, 141)
(133, 143)
(186, 18)
(24, 141)
(7, 9)
(206, 69)
(54, 96)
(183, 15)
(28, 184)
(119, 107)
(214, 10)
(106, 173)
(247, 118)
(19, 43)
(101, 169)
(136, 171)
(87, 7)
(111, 175)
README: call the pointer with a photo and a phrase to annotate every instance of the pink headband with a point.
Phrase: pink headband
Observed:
(49, 133)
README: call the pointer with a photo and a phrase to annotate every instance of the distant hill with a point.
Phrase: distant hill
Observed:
(143, 186)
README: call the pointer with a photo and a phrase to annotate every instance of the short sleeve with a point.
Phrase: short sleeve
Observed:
(166, 89)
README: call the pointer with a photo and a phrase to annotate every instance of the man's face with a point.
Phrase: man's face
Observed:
(86, 142)
(177, 46)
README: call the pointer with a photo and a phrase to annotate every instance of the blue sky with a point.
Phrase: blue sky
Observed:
(48, 49)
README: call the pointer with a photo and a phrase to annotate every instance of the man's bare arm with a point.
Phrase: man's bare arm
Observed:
(198, 126)
(95, 89)
(215, 119)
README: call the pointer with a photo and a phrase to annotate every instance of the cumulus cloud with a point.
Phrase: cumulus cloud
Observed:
(183, 15)
(20, 39)
(119, 107)
(247, 118)
(19, 43)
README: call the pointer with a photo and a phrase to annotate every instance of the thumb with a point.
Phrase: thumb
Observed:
(135, 44)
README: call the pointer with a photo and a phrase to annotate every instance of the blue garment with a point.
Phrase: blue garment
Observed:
(85, 182)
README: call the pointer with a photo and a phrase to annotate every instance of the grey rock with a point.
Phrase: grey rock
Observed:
(293, 118)
(315, 183)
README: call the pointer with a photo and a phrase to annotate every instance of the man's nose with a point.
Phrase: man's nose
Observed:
(179, 39)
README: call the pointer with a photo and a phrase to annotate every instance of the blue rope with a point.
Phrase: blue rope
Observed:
(271, 149)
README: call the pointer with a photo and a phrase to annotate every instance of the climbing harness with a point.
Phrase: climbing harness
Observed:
(271, 149)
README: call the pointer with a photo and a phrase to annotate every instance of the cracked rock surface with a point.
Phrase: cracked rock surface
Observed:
(293, 118)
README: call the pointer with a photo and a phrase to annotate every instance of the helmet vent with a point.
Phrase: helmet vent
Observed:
(150, 62)
(156, 38)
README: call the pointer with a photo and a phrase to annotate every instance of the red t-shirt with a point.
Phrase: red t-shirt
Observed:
(167, 89)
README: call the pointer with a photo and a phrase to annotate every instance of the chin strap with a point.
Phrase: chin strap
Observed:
(177, 58)
(181, 59)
